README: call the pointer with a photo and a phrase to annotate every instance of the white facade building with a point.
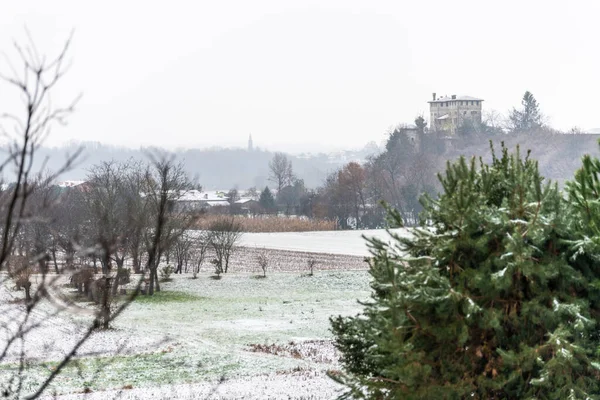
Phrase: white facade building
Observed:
(448, 114)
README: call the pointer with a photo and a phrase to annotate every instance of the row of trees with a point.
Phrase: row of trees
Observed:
(353, 194)
(403, 172)
(123, 211)
(120, 214)
(121, 218)
(397, 176)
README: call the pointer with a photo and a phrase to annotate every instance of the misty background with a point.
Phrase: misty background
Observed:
(310, 76)
(559, 157)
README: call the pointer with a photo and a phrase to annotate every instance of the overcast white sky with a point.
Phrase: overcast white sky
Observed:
(306, 74)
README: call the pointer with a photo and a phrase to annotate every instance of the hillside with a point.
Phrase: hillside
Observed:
(559, 156)
(214, 168)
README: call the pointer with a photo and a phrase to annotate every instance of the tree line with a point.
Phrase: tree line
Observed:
(400, 174)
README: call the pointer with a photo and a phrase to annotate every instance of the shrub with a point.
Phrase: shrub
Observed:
(165, 272)
(123, 276)
(494, 296)
(224, 234)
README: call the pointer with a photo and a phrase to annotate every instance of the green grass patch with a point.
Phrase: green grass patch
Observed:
(167, 296)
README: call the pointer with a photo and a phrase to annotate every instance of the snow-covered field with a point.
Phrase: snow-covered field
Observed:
(330, 242)
(238, 337)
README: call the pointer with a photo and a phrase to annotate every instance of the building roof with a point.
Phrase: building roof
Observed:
(196, 195)
(457, 98)
(245, 200)
(217, 203)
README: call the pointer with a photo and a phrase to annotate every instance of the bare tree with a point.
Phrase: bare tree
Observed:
(280, 171)
(33, 80)
(200, 248)
(225, 232)
(352, 182)
(138, 208)
(182, 247)
(263, 261)
(252, 193)
(167, 182)
(70, 226)
(106, 203)
(494, 119)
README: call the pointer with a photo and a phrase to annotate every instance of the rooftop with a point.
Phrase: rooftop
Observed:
(454, 98)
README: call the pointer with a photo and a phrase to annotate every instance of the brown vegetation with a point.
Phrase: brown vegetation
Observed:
(270, 223)
(312, 350)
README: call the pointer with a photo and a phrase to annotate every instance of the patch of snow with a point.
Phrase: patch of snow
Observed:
(330, 242)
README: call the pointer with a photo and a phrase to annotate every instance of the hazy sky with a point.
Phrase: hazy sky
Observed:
(305, 74)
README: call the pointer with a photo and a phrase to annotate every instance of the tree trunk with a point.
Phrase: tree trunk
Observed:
(151, 286)
(136, 262)
(156, 279)
(27, 287)
(105, 268)
(54, 261)
(227, 254)
(106, 304)
(115, 286)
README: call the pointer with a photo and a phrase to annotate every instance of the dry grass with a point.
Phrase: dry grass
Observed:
(321, 351)
(272, 223)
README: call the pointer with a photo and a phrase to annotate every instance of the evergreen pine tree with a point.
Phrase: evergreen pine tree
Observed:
(528, 118)
(266, 200)
(486, 300)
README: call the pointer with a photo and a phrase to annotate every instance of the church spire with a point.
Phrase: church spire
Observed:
(250, 144)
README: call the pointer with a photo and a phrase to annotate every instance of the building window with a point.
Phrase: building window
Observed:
(464, 113)
(473, 112)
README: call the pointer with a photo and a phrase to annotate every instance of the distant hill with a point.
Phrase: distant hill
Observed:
(558, 156)
(214, 168)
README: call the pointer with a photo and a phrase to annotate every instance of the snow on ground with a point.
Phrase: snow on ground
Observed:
(262, 337)
(245, 259)
(289, 385)
(331, 242)
(240, 337)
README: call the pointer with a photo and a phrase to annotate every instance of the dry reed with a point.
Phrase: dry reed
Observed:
(271, 223)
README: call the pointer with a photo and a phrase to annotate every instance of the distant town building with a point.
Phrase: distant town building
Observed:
(250, 144)
(195, 200)
(448, 114)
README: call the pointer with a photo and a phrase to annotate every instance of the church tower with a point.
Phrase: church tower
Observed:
(250, 145)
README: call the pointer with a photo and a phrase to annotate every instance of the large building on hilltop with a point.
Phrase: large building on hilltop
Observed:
(448, 114)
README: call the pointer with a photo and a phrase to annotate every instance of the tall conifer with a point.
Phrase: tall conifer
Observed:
(493, 297)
